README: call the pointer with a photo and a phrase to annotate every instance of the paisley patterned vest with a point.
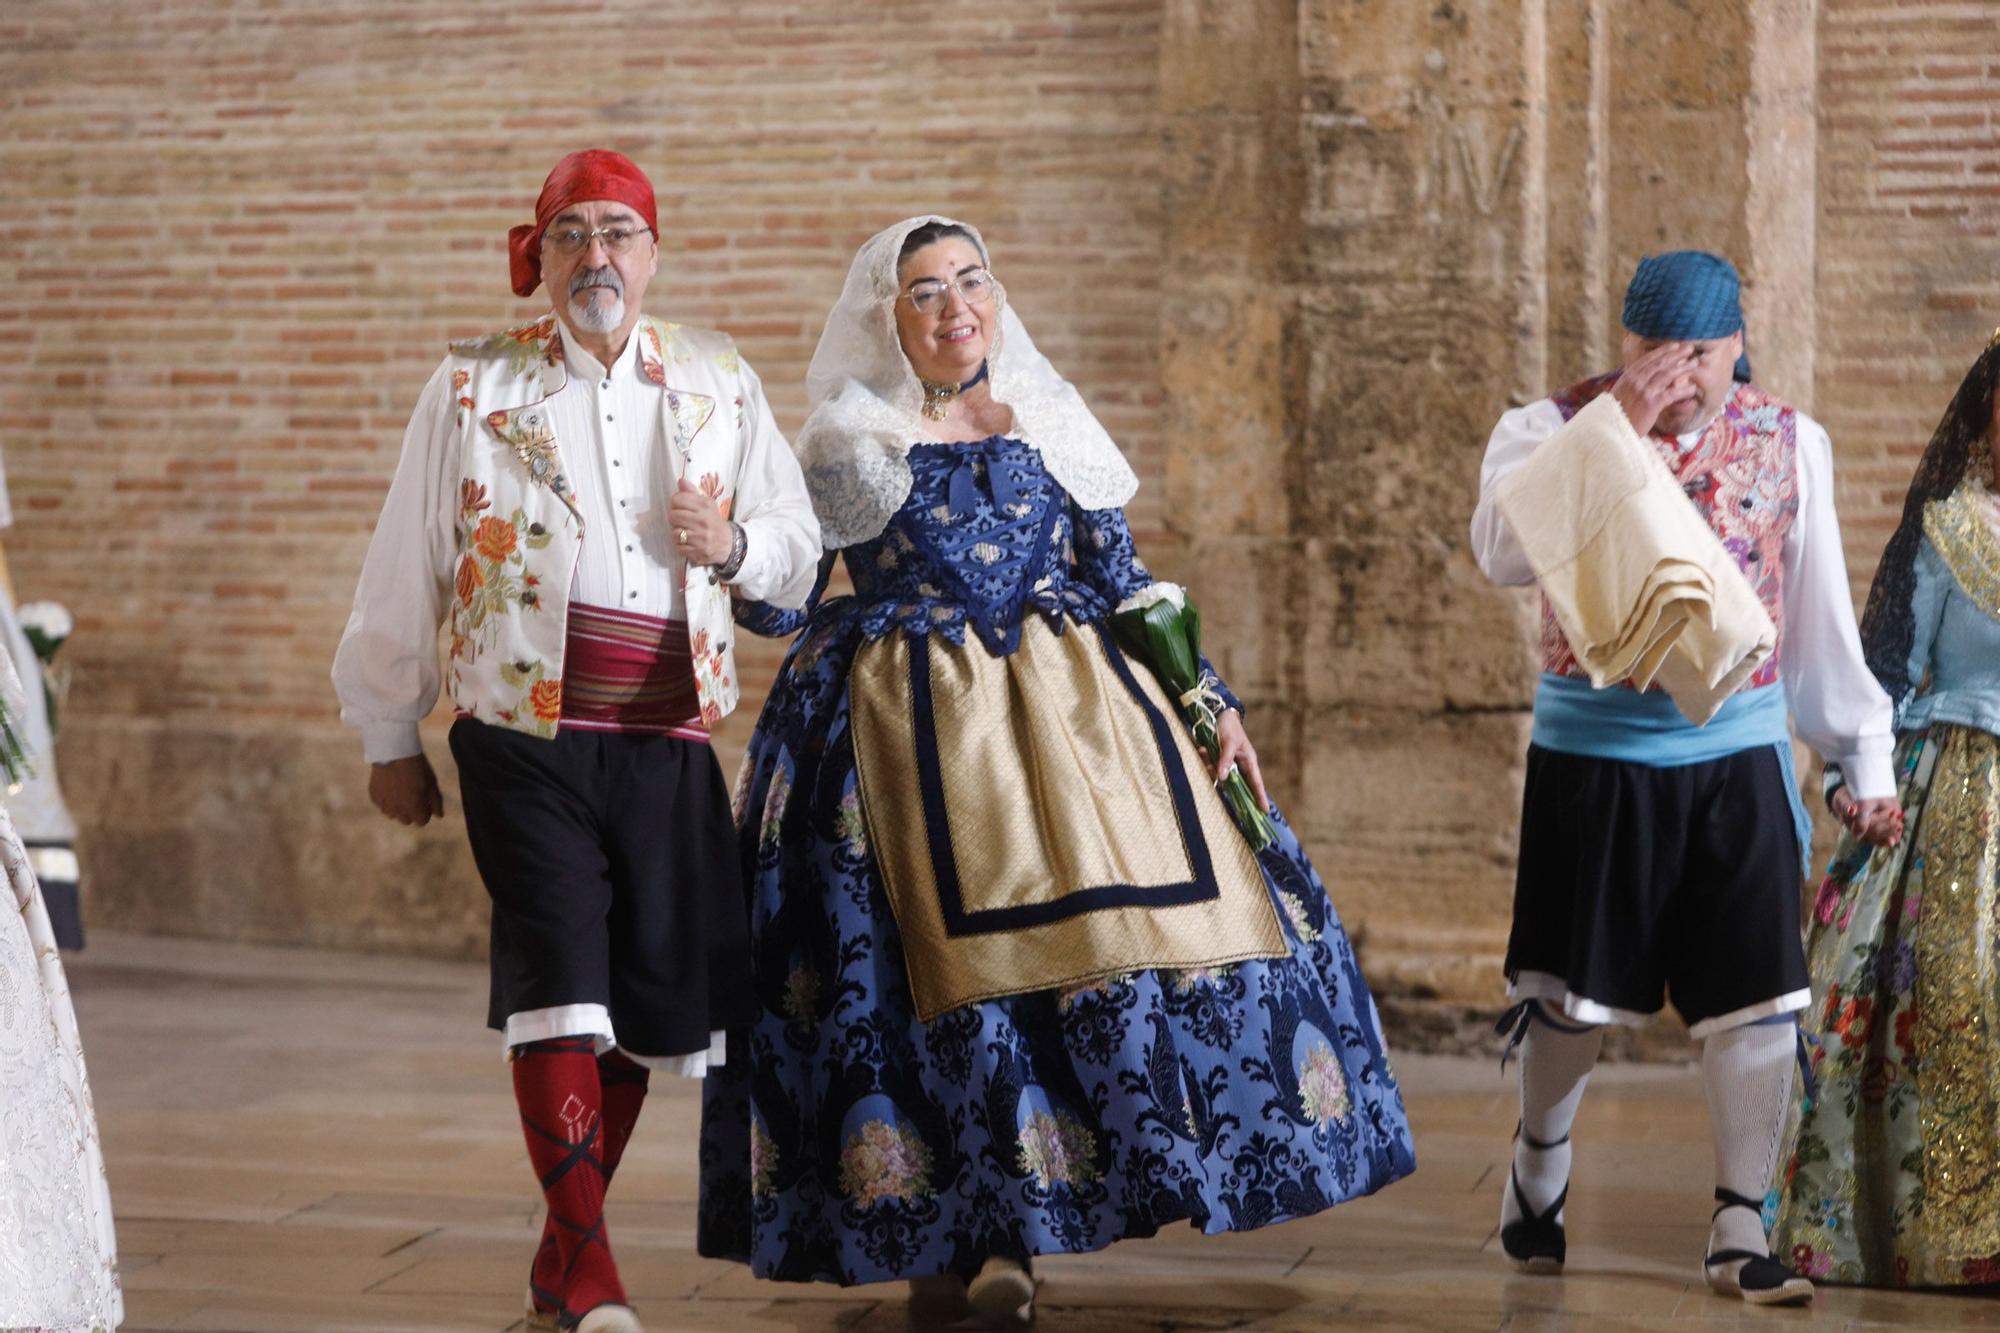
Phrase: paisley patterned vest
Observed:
(1742, 475)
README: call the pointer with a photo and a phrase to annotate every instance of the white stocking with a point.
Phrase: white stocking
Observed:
(1747, 1072)
(1555, 1065)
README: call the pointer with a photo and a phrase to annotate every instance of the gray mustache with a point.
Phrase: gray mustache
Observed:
(596, 277)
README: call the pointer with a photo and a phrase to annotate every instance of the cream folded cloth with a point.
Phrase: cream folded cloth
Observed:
(1639, 582)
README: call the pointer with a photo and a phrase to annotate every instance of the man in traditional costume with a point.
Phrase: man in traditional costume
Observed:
(582, 497)
(1657, 856)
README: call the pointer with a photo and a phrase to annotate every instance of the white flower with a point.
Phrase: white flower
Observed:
(1155, 592)
(52, 619)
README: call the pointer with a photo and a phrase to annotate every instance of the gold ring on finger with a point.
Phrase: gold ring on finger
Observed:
(681, 536)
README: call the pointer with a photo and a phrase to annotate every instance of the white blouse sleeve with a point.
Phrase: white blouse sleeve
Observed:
(1513, 442)
(386, 669)
(1837, 706)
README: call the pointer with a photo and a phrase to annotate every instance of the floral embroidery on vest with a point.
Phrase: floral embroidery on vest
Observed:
(527, 429)
(711, 676)
(519, 528)
(493, 572)
(523, 347)
(652, 358)
(1742, 475)
(501, 570)
(712, 487)
(691, 412)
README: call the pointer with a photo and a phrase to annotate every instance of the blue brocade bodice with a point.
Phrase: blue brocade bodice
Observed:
(986, 536)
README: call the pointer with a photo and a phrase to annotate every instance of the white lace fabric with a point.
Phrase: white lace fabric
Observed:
(867, 405)
(58, 1253)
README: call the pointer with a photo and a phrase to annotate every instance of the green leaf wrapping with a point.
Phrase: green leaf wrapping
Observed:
(1167, 639)
(13, 750)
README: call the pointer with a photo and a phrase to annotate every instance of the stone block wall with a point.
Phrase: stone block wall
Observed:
(1472, 186)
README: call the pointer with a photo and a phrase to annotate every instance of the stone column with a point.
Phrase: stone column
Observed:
(1391, 222)
(1230, 351)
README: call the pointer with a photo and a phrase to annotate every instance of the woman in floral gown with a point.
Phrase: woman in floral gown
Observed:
(1894, 1176)
(995, 1023)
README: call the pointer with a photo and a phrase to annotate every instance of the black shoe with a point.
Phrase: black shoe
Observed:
(1762, 1280)
(1535, 1241)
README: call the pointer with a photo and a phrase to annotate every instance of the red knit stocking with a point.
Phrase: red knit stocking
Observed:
(623, 1086)
(561, 1097)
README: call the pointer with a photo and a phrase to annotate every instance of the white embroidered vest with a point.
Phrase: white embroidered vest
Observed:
(518, 531)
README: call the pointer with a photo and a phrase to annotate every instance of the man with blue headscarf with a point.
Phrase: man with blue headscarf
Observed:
(1659, 858)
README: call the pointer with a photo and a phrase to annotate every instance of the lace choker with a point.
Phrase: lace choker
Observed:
(937, 397)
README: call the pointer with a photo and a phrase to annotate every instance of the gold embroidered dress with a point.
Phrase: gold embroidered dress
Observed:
(1894, 1177)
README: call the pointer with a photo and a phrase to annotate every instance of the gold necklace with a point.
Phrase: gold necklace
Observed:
(937, 397)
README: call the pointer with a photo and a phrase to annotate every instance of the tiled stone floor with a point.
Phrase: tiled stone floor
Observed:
(313, 1140)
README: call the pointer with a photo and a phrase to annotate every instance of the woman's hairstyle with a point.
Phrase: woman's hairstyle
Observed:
(930, 234)
(1957, 446)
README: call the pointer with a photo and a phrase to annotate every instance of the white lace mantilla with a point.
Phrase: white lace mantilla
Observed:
(867, 406)
(58, 1255)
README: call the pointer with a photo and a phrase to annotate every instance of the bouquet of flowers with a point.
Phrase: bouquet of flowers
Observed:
(48, 626)
(1160, 627)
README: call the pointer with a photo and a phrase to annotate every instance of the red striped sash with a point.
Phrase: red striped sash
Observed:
(627, 672)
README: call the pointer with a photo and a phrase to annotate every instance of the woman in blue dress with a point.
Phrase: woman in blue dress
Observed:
(1025, 989)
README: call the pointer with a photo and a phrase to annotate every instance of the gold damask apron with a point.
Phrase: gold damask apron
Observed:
(1043, 818)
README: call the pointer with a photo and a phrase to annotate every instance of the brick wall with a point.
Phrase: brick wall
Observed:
(1909, 237)
(237, 236)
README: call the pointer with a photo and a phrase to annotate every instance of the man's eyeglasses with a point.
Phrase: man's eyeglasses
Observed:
(617, 239)
(976, 286)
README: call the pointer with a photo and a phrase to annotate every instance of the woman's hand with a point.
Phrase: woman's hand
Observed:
(1877, 821)
(1237, 750)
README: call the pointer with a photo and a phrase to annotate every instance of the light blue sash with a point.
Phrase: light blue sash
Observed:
(1645, 728)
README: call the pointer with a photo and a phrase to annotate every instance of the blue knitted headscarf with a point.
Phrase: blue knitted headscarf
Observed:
(1686, 296)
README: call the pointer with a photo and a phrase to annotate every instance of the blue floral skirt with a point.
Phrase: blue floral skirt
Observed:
(845, 1140)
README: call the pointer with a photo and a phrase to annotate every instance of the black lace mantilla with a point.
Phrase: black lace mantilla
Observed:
(1958, 445)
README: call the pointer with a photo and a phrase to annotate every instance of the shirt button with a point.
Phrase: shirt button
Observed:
(621, 504)
(633, 593)
(616, 463)
(609, 417)
(628, 548)
(607, 384)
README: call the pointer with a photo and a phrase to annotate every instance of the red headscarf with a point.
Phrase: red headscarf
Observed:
(594, 173)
